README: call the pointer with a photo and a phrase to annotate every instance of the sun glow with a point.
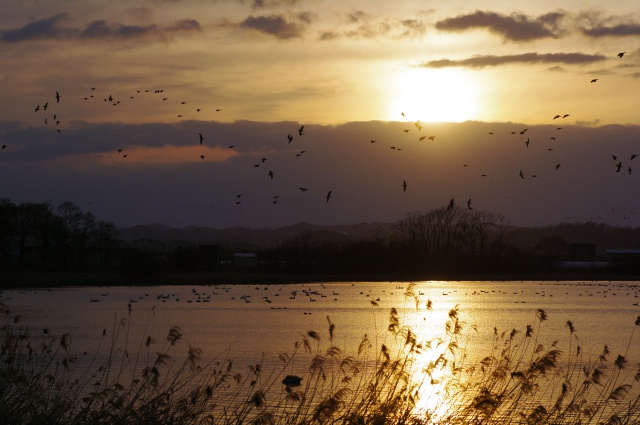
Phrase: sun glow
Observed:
(432, 95)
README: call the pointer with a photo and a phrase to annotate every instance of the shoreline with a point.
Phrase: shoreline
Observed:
(18, 280)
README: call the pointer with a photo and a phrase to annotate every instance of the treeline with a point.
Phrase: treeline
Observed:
(444, 242)
(41, 237)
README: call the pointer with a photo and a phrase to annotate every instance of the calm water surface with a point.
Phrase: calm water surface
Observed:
(248, 321)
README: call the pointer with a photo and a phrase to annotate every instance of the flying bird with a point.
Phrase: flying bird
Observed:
(404, 185)
(621, 54)
(521, 174)
(37, 108)
(594, 80)
(469, 204)
(270, 174)
(301, 130)
(527, 142)
(57, 97)
(615, 158)
(328, 196)
(45, 106)
(633, 156)
(431, 138)
(202, 156)
(451, 204)
(303, 189)
(557, 116)
(618, 166)
(201, 137)
(566, 115)
(557, 166)
(289, 138)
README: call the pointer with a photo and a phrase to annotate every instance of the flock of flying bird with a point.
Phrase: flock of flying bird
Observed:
(54, 120)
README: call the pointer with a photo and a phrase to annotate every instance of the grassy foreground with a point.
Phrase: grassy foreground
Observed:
(168, 381)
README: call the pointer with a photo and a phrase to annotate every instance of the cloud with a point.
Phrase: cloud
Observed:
(368, 27)
(529, 58)
(269, 4)
(620, 30)
(593, 23)
(51, 28)
(278, 25)
(513, 27)
(40, 29)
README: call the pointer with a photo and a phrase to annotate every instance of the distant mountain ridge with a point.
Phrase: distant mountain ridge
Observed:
(602, 235)
(262, 237)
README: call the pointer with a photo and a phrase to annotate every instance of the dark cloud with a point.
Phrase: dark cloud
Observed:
(529, 58)
(620, 30)
(40, 29)
(514, 27)
(366, 179)
(51, 28)
(279, 26)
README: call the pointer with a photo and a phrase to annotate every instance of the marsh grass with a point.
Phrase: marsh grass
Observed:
(401, 380)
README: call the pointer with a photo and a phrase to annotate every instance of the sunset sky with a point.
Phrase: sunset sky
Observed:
(449, 93)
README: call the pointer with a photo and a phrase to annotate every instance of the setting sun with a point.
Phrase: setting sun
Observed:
(433, 96)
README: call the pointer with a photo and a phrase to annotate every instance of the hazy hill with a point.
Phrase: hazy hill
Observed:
(262, 238)
(604, 236)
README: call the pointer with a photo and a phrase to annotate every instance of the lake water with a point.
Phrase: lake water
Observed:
(249, 321)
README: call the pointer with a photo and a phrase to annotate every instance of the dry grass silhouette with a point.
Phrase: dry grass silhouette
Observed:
(402, 381)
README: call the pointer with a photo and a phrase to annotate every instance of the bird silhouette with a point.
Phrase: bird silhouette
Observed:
(469, 204)
(527, 142)
(557, 166)
(202, 156)
(431, 138)
(406, 131)
(329, 196)
(615, 158)
(4, 147)
(201, 137)
(618, 166)
(271, 174)
(594, 80)
(621, 54)
(633, 156)
(404, 185)
(301, 130)
(37, 108)
(58, 97)
(566, 115)
(45, 106)
(291, 381)
(521, 174)
(303, 189)
(556, 117)
(289, 138)
(451, 204)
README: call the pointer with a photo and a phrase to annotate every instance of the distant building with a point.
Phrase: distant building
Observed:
(624, 259)
(245, 259)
